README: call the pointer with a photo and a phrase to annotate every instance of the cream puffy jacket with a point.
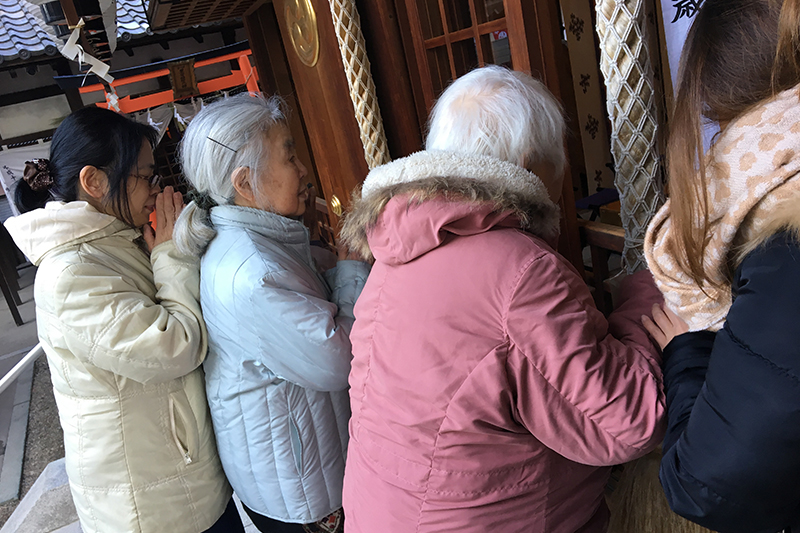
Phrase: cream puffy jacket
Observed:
(124, 338)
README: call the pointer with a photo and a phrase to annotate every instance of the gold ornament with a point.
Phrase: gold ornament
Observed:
(336, 206)
(302, 23)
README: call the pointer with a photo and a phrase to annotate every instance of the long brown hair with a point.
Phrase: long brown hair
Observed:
(738, 53)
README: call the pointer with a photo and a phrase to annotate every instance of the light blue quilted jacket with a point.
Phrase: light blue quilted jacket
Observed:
(278, 362)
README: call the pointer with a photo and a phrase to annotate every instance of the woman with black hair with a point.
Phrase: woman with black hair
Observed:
(119, 319)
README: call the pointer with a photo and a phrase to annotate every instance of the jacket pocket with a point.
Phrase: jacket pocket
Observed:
(297, 445)
(183, 426)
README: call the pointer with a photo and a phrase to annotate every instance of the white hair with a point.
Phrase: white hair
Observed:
(500, 113)
(225, 135)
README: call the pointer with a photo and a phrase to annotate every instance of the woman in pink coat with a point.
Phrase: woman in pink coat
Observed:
(487, 391)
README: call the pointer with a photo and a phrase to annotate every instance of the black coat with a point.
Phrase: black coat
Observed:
(732, 449)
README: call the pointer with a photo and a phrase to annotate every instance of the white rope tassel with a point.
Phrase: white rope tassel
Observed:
(631, 103)
(347, 24)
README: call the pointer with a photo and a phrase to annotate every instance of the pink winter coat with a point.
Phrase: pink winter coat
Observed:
(487, 391)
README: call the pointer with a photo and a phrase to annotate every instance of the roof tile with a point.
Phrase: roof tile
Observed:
(23, 32)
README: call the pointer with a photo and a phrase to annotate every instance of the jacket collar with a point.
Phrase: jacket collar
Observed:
(482, 185)
(469, 167)
(275, 227)
(59, 224)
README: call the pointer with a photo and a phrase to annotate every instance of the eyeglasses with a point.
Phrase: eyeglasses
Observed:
(152, 181)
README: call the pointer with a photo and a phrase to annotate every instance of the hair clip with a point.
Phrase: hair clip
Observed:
(224, 145)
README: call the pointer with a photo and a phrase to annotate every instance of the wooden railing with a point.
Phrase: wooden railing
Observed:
(10, 259)
(246, 75)
(327, 233)
(602, 239)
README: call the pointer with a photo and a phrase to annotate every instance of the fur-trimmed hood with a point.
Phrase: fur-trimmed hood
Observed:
(467, 180)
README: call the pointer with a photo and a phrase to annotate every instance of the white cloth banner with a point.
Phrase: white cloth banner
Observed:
(157, 117)
(184, 113)
(12, 166)
(678, 17)
(160, 117)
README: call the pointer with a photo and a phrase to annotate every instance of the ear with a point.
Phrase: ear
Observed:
(94, 182)
(245, 194)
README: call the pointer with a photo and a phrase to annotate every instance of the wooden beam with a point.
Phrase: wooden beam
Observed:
(468, 33)
(390, 71)
(31, 94)
(415, 30)
(131, 105)
(162, 72)
(29, 137)
(257, 38)
(602, 235)
(185, 20)
(412, 61)
(534, 29)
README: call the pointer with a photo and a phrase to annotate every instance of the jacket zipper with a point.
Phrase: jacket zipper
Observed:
(187, 459)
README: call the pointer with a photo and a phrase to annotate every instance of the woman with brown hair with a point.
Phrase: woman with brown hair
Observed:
(725, 252)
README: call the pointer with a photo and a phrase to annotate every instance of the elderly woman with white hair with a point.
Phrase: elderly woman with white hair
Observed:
(278, 348)
(488, 392)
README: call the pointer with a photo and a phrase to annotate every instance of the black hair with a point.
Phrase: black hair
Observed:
(95, 137)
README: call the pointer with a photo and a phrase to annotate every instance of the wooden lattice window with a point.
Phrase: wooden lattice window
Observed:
(452, 37)
(166, 158)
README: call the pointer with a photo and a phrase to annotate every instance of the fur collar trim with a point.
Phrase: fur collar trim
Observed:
(456, 177)
(784, 217)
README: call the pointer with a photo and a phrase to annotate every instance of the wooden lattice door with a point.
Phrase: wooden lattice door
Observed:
(456, 36)
(451, 37)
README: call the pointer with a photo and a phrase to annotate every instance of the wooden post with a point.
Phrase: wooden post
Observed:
(249, 74)
(535, 40)
(71, 14)
(274, 77)
(324, 96)
(379, 23)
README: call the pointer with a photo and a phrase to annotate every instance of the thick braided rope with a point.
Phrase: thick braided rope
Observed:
(631, 103)
(347, 24)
